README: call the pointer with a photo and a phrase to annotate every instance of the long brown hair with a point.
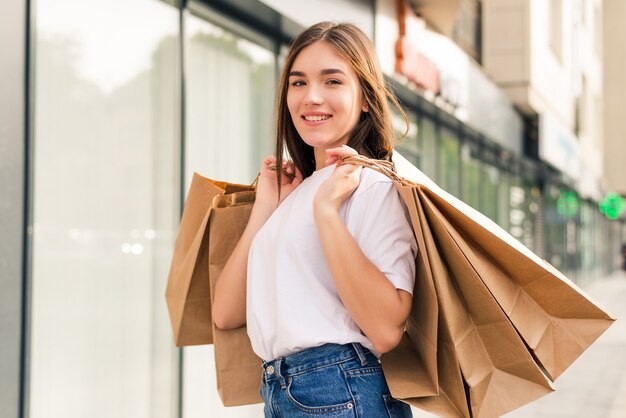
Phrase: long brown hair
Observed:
(373, 134)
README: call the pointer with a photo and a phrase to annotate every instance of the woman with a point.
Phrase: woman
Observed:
(324, 271)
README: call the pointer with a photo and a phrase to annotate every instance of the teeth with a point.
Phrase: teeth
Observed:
(316, 118)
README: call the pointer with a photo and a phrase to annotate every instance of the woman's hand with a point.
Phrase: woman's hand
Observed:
(267, 191)
(344, 180)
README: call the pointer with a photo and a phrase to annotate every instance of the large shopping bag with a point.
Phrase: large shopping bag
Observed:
(214, 217)
(508, 321)
(238, 368)
(187, 293)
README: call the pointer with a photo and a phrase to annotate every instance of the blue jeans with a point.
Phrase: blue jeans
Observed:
(329, 380)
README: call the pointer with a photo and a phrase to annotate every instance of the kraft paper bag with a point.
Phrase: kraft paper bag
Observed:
(187, 293)
(214, 217)
(238, 367)
(475, 262)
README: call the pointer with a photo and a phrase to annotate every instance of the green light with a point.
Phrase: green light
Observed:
(567, 204)
(613, 205)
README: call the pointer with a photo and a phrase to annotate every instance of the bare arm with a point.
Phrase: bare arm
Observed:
(379, 309)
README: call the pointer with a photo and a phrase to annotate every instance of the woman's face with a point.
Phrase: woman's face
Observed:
(324, 97)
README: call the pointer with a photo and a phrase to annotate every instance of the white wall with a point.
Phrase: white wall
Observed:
(518, 55)
(307, 13)
(614, 89)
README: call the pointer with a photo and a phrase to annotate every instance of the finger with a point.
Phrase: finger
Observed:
(341, 151)
(269, 161)
(331, 160)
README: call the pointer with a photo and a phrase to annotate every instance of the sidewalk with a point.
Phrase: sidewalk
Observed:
(595, 385)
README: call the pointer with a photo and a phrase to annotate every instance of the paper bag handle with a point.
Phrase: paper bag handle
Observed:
(385, 167)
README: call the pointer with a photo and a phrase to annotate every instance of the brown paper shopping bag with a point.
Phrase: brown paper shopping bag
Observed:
(490, 292)
(238, 367)
(214, 217)
(479, 351)
(555, 318)
(187, 293)
(499, 371)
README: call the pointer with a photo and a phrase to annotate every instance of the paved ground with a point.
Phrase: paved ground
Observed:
(595, 385)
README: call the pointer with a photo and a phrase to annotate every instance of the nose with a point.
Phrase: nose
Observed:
(313, 95)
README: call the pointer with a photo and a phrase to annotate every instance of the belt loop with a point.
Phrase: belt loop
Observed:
(359, 352)
(263, 377)
(279, 373)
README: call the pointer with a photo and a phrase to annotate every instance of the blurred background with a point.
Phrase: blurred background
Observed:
(108, 107)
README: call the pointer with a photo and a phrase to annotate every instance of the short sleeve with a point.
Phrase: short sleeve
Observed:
(377, 219)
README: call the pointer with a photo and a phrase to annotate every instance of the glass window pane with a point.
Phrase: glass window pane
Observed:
(490, 180)
(449, 162)
(471, 175)
(407, 146)
(230, 103)
(106, 193)
(503, 200)
(428, 144)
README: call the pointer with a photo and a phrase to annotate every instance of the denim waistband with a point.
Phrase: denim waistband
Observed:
(314, 357)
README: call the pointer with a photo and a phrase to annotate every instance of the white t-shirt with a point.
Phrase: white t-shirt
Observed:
(292, 302)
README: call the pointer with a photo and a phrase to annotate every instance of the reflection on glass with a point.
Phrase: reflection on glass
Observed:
(230, 98)
(554, 228)
(105, 209)
(502, 209)
(408, 145)
(471, 176)
(428, 144)
(449, 164)
(489, 190)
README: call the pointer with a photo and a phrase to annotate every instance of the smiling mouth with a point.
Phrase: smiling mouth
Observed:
(317, 118)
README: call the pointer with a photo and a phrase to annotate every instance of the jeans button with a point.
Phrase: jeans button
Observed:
(270, 370)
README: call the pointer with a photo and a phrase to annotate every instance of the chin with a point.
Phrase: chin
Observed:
(316, 141)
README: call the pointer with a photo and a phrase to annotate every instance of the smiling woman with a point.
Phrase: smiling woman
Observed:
(323, 274)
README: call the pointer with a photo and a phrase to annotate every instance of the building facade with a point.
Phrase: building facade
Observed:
(111, 106)
(614, 33)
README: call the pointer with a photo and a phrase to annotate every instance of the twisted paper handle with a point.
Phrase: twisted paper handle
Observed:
(385, 167)
(382, 166)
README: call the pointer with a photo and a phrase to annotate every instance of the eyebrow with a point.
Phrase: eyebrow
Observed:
(326, 71)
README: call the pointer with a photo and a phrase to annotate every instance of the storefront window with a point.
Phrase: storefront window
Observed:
(471, 175)
(230, 85)
(502, 208)
(230, 99)
(524, 204)
(556, 233)
(428, 144)
(105, 209)
(587, 241)
(490, 180)
(408, 145)
(449, 162)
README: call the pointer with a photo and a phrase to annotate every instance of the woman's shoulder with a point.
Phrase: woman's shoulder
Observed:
(372, 178)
